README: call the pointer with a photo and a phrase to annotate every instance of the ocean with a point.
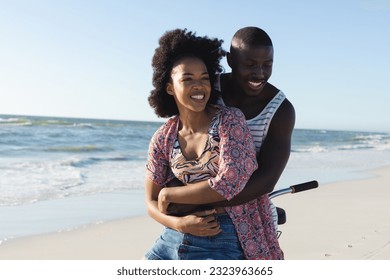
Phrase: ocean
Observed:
(62, 173)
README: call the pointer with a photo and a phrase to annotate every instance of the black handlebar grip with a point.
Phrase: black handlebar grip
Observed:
(304, 186)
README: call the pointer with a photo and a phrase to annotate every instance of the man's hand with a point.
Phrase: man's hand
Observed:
(162, 201)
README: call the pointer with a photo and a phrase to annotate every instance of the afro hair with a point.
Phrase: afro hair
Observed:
(173, 45)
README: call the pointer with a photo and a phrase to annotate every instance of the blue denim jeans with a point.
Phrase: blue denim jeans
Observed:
(174, 245)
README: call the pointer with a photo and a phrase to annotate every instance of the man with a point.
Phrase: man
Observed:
(247, 88)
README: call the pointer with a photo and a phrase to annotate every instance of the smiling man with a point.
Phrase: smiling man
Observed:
(269, 114)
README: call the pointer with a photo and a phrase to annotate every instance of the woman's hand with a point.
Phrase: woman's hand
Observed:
(202, 223)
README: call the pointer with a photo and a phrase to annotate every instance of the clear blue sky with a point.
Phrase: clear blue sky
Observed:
(91, 58)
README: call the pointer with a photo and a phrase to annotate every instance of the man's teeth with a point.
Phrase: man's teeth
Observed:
(199, 97)
(254, 84)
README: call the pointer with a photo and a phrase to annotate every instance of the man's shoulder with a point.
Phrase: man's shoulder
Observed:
(284, 118)
(287, 107)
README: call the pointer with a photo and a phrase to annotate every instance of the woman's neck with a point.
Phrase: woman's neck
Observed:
(194, 122)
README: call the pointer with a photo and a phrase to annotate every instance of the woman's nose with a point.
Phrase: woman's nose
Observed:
(198, 84)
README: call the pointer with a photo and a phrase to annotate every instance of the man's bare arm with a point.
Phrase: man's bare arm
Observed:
(272, 159)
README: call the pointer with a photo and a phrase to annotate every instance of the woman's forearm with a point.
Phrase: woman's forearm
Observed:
(165, 220)
(152, 191)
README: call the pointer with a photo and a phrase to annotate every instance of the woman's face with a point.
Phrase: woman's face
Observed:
(190, 84)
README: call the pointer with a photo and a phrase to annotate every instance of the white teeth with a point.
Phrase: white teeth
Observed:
(198, 97)
(253, 84)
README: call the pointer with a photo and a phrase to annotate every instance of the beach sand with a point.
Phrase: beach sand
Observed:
(338, 221)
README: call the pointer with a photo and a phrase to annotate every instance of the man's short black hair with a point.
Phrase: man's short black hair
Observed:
(250, 36)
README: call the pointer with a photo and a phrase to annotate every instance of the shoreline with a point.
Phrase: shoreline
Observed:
(345, 220)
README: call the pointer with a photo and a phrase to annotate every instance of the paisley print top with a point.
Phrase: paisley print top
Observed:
(227, 162)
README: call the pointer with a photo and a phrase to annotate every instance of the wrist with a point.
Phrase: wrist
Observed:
(179, 225)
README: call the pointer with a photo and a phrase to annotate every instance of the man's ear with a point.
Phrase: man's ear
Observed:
(229, 59)
(169, 88)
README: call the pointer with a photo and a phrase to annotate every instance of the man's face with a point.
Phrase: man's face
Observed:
(251, 67)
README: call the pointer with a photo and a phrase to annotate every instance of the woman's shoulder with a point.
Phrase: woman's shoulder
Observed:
(166, 128)
(231, 112)
(228, 115)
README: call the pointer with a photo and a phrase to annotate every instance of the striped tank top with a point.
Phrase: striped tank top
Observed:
(259, 125)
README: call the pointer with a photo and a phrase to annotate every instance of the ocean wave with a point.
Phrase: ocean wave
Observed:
(43, 122)
(60, 122)
(356, 147)
(86, 125)
(8, 120)
(373, 141)
(351, 147)
(15, 122)
(77, 149)
(313, 149)
(320, 142)
(32, 181)
(84, 162)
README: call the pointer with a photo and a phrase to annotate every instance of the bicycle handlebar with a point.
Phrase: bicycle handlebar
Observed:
(295, 188)
(304, 186)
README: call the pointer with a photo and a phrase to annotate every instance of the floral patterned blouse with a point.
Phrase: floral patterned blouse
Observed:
(227, 162)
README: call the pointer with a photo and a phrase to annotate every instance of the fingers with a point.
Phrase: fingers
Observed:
(209, 226)
(208, 219)
(204, 223)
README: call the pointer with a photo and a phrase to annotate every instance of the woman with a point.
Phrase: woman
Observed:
(200, 141)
